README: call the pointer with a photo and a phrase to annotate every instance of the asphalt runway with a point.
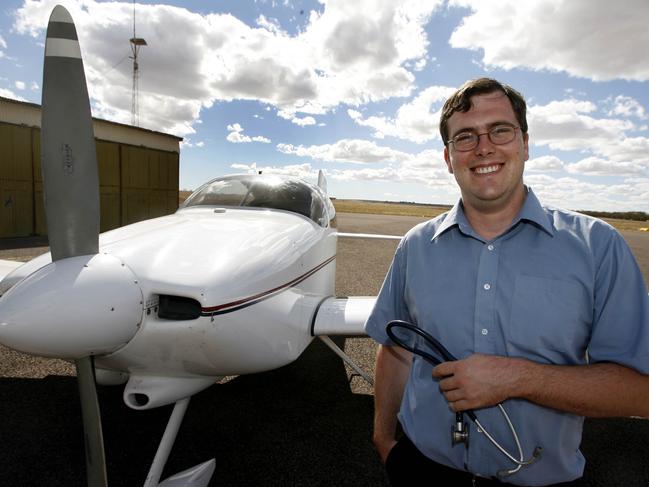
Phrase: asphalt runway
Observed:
(306, 424)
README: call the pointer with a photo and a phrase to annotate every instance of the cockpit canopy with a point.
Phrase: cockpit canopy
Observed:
(265, 191)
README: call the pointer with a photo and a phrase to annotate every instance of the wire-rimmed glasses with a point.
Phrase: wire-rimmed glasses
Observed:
(498, 135)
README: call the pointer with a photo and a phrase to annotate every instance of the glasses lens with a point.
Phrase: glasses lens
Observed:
(465, 141)
(502, 134)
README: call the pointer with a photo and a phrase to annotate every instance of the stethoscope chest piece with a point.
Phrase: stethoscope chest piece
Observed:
(459, 431)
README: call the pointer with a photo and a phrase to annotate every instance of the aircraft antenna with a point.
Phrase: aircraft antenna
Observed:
(136, 43)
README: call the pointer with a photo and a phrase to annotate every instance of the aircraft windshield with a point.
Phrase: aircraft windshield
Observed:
(260, 191)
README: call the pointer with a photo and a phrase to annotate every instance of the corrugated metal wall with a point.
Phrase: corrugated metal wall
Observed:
(16, 181)
(136, 183)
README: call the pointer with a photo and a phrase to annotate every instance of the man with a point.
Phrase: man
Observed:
(545, 309)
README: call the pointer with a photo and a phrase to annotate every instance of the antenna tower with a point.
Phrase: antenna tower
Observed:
(136, 43)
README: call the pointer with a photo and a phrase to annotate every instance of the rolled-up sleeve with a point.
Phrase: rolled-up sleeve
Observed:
(620, 330)
(390, 303)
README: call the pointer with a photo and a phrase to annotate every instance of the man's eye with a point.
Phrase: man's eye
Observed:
(501, 130)
(460, 138)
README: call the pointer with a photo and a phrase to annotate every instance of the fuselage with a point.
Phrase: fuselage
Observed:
(257, 274)
(225, 289)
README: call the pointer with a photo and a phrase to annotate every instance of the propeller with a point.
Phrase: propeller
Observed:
(71, 191)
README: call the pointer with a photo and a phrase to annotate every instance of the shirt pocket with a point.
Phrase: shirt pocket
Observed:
(549, 320)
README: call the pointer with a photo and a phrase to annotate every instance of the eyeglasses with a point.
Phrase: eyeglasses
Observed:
(499, 135)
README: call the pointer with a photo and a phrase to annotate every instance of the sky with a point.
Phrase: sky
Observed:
(354, 88)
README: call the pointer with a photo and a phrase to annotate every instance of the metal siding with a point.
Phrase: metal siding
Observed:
(148, 177)
(109, 204)
(136, 183)
(16, 187)
(36, 155)
(15, 153)
(109, 185)
(40, 225)
(16, 208)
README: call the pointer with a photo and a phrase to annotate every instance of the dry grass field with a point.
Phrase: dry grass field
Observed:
(430, 211)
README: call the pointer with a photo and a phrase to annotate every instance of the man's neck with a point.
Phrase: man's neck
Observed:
(492, 221)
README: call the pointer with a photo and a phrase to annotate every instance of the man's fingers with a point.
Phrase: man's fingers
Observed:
(461, 405)
(444, 369)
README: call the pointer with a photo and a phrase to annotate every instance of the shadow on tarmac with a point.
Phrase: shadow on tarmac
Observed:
(295, 426)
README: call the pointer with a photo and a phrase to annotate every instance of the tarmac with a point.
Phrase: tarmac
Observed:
(306, 424)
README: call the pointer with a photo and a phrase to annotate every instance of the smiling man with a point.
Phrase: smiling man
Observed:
(545, 309)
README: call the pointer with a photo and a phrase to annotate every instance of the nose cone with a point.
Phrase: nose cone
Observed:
(71, 308)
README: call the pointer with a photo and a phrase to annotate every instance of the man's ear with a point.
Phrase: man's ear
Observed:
(526, 147)
(447, 158)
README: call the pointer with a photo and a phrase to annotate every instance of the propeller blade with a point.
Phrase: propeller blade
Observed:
(68, 154)
(94, 441)
(71, 191)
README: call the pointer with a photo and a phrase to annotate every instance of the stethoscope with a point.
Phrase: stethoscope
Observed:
(459, 431)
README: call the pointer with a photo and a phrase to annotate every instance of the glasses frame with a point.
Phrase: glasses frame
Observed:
(488, 134)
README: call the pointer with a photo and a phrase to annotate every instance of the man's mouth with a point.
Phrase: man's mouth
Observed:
(487, 169)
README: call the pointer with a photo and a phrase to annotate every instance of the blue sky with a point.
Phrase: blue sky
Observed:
(354, 87)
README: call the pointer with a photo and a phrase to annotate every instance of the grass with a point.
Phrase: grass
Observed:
(430, 211)
(388, 208)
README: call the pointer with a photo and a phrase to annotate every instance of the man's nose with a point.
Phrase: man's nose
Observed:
(485, 145)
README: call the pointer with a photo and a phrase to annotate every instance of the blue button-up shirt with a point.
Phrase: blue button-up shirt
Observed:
(557, 287)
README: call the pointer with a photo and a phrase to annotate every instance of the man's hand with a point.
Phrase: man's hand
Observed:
(479, 380)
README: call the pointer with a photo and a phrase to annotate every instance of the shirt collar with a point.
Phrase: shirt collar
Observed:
(532, 211)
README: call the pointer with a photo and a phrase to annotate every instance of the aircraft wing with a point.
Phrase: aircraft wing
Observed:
(370, 235)
(342, 316)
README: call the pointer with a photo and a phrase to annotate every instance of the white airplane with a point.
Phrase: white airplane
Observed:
(239, 280)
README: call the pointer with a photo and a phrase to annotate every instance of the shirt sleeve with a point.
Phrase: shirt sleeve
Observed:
(390, 303)
(620, 332)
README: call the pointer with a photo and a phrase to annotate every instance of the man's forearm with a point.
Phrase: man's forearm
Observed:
(596, 390)
(390, 376)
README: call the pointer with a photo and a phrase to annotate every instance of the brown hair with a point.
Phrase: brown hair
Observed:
(460, 101)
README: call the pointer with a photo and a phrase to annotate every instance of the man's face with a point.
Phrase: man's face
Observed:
(490, 176)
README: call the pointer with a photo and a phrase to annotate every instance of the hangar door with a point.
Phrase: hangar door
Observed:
(136, 183)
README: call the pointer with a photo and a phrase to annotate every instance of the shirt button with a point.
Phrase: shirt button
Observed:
(485, 331)
(490, 247)
(487, 287)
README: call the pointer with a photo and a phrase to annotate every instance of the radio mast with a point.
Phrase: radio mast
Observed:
(136, 43)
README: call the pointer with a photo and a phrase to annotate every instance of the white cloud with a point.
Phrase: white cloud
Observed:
(351, 53)
(187, 142)
(20, 85)
(566, 125)
(626, 106)
(302, 122)
(584, 38)
(415, 121)
(34, 86)
(576, 194)
(236, 136)
(569, 125)
(356, 151)
(3, 45)
(10, 94)
(604, 167)
(544, 163)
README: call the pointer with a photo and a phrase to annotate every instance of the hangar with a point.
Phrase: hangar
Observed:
(138, 172)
